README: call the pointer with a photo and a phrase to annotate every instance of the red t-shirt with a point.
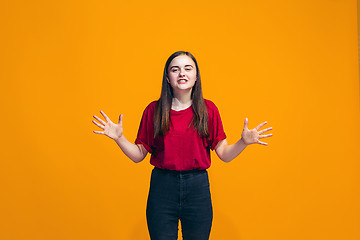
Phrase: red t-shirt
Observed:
(181, 148)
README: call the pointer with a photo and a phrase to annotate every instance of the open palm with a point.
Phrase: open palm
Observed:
(112, 130)
(253, 136)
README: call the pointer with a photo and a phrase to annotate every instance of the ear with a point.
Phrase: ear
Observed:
(167, 79)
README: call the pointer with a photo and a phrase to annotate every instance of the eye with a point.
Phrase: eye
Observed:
(174, 70)
(188, 69)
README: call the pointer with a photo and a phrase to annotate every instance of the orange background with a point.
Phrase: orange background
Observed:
(291, 63)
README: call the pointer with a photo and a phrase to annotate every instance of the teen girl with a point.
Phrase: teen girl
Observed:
(179, 130)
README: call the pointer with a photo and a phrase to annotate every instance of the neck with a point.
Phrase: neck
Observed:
(182, 99)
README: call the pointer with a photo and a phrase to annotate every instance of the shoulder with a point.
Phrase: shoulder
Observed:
(210, 105)
(213, 111)
(151, 106)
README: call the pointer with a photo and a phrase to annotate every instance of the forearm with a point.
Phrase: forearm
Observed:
(131, 150)
(232, 151)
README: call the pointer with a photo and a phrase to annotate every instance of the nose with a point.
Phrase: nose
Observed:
(182, 72)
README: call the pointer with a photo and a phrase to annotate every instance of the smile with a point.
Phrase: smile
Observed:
(181, 81)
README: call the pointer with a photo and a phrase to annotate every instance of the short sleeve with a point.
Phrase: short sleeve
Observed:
(145, 134)
(216, 129)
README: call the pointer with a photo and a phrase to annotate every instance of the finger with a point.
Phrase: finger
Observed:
(260, 125)
(99, 125)
(262, 143)
(99, 119)
(264, 136)
(99, 132)
(265, 130)
(105, 116)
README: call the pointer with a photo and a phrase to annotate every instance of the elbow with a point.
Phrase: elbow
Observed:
(223, 154)
(226, 160)
(139, 156)
(137, 160)
(223, 157)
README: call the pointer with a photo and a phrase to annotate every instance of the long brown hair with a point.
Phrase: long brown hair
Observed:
(163, 105)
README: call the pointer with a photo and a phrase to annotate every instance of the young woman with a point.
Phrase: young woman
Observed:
(179, 130)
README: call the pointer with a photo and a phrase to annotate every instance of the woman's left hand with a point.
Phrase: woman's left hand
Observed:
(253, 136)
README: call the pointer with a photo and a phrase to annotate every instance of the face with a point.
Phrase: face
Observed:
(182, 73)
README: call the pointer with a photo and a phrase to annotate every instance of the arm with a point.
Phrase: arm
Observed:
(136, 152)
(228, 152)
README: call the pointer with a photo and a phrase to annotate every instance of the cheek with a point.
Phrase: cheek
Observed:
(171, 78)
(193, 76)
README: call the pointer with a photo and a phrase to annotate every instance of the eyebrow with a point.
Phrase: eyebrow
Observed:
(185, 66)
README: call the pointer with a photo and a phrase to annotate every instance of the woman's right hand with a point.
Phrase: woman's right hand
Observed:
(112, 130)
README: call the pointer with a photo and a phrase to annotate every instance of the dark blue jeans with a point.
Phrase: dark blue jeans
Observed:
(179, 195)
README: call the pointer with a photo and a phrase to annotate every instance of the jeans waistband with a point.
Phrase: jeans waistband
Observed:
(178, 172)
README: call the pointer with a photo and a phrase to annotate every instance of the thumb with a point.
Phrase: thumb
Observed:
(120, 119)
(246, 123)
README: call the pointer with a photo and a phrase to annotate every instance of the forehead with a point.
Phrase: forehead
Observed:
(182, 60)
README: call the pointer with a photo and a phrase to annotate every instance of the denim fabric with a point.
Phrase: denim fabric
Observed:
(179, 195)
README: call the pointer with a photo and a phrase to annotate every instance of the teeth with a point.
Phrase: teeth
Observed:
(182, 81)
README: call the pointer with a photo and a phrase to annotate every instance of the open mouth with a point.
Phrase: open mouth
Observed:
(182, 81)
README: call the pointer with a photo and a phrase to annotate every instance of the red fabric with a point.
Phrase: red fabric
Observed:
(181, 148)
